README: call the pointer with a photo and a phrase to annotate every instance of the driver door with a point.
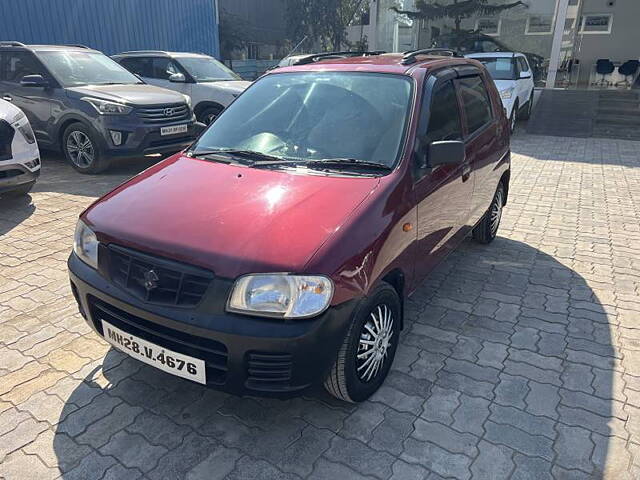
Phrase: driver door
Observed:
(161, 70)
(443, 194)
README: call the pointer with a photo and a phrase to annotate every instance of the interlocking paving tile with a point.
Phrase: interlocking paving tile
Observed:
(519, 360)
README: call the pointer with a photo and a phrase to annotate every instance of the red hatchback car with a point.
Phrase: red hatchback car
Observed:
(275, 253)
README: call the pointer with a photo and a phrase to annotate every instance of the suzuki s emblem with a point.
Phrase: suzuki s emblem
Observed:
(168, 112)
(151, 280)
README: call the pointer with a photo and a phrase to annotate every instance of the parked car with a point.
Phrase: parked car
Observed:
(83, 103)
(210, 84)
(514, 80)
(276, 252)
(19, 155)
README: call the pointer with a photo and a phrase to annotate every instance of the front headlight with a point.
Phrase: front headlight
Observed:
(281, 295)
(105, 107)
(187, 99)
(506, 94)
(85, 244)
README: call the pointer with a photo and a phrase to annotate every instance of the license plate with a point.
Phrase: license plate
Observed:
(167, 360)
(172, 130)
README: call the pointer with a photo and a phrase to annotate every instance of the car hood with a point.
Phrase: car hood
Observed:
(133, 94)
(504, 84)
(235, 86)
(230, 219)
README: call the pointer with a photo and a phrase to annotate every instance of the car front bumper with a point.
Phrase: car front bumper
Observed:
(143, 139)
(243, 354)
(15, 175)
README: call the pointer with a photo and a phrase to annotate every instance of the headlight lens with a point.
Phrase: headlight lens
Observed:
(506, 94)
(105, 107)
(85, 244)
(187, 99)
(281, 295)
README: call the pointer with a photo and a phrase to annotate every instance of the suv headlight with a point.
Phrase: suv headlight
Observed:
(507, 93)
(105, 107)
(281, 295)
(85, 244)
(187, 99)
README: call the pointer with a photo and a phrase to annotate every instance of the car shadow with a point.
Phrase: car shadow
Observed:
(505, 369)
(13, 211)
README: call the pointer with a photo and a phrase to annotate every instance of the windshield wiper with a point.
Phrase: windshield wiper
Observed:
(346, 163)
(248, 154)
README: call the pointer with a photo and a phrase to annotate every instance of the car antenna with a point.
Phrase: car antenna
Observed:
(296, 47)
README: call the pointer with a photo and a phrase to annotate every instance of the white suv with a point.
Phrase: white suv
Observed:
(513, 77)
(210, 84)
(19, 155)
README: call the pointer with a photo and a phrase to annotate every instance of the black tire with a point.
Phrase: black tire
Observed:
(350, 379)
(19, 191)
(513, 119)
(87, 158)
(486, 231)
(526, 113)
(208, 114)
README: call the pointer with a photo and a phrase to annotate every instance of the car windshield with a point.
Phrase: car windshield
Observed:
(74, 68)
(207, 69)
(309, 116)
(500, 68)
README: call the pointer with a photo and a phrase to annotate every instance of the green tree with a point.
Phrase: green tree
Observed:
(458, 10)
(231, 31)
(322, 21)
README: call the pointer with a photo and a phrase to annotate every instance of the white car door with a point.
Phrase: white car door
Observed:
(161, 69)
(525, 80)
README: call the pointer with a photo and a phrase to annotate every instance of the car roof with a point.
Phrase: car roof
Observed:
(43, 48)
(384, 63)
(494, 55)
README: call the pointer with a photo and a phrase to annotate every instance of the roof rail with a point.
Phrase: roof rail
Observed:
(314, 57)
(410, 56)
(144, 51)
(11, 44)
(76, 45)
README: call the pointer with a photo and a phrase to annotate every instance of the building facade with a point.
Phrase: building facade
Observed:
(562, 38)
(114, 26)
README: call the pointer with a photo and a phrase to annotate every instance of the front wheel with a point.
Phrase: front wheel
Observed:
(487, 229)
(82, 150)
(208, 115)
(526, 113)
(368, 350)
(513, 118)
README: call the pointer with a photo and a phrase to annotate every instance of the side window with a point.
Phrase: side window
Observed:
(444, 117)
(522, 63)
(475, 102)
(139, 66)
(162, 68)
(20, 64)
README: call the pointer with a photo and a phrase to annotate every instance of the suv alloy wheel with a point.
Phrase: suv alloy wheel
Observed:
(82, 150)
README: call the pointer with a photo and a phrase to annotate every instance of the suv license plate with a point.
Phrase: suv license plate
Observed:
(167, 360)
(172, 130)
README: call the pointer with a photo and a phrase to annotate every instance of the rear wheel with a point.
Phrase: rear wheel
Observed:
(487, 229)
(367, 352)
(82, 149)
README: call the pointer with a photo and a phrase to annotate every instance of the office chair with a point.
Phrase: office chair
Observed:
(604, 67)
(628, 69)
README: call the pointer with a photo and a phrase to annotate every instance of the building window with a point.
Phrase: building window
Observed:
(596, 23)
(539, 25)
(489, 26)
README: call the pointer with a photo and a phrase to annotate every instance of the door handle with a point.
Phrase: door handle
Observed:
(7, 98)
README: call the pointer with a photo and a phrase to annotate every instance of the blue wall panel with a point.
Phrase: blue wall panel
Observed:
(113, 26)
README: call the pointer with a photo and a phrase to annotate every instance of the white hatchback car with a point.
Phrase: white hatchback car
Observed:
(19, 154)
(513, 76)
(210, 84)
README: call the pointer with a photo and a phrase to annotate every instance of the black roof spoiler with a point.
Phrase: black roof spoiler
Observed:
(410, 56)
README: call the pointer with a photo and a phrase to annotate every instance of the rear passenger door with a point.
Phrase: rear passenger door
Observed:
(443, 193)
(483, 136)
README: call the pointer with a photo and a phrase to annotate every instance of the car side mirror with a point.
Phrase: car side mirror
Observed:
(446, 152)
(177, 78)
(34, 81)
(525, 74)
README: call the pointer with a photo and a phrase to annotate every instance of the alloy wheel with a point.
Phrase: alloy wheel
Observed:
(496, 212)
(374, 343)
(80, 148)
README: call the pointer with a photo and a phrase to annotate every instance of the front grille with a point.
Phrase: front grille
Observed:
(157, 280)
(164, 113)
(7, 133)
(269, 371)
(212, 352)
